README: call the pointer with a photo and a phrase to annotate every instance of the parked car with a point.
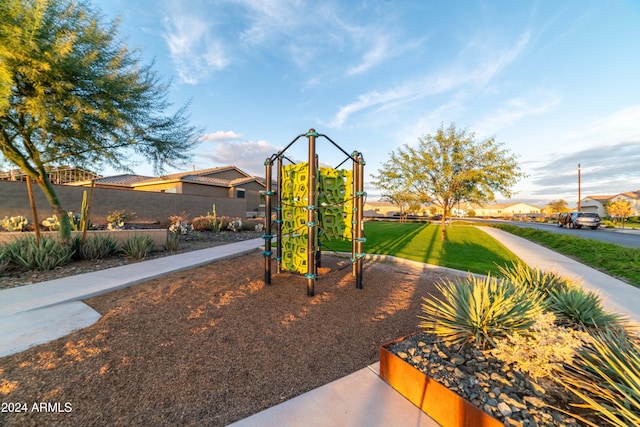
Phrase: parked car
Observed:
(585, 219)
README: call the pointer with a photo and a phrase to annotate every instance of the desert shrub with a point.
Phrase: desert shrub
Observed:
(250, 224)
(479, 310)
(534, 278)
(173, 242)
(6, 261)
(95, 247)
(203, 223)
(541, 350)
(583, 308)
(138, 246)
(47, 255)
(605, 376)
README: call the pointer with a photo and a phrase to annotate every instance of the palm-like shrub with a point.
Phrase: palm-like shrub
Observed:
(138, 246)
(479, 310)
(605, 375)
(534, 278)
(47, 255)
(583, 308)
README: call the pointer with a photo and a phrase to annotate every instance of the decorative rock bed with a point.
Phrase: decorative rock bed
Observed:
(484, 381)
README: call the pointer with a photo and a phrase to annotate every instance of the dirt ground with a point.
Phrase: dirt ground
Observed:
(212, 345)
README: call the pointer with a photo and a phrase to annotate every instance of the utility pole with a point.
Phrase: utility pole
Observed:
(579, 198)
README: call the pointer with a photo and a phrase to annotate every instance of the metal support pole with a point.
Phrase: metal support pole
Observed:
(267, 223)
(354, 222)
(311, 213)
(279, 218)
(360, 222)
(319, 219)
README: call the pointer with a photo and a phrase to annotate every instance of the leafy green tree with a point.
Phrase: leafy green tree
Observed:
(71, 93)
(620, 209)
(556, 207)
(448, 167)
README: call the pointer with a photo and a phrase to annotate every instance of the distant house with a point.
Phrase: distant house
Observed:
(598, 203)
(633, 197)
(504, 209)
(224, 181)
(595, 204)
(56, 174)
(372, 209)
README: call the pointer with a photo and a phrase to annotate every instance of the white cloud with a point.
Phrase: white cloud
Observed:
(221, 136)
(620, 126)
(194, 50)
(455, 77)
(247, 155)
(516, 109)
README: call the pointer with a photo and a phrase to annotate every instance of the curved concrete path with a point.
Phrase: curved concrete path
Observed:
(616, 295)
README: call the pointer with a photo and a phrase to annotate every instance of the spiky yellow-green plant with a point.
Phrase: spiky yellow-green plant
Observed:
(534, 278)
(605, 376)
(582, 307)
(478, 310)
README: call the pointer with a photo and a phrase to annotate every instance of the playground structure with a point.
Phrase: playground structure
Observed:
(313, 204)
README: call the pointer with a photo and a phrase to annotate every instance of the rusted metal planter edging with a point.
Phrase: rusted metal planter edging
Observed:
(443, 405)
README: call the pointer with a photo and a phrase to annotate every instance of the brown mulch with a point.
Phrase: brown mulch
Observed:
(213, 345)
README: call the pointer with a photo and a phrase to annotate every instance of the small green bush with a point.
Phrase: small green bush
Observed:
(49, 254)
(605, 375)
(583, 308)
(138, 246)
(480, 310)
(173, 242)
(95, 247)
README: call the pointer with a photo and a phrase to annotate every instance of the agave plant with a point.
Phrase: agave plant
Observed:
(534, 278)
(480, 310)
(605, 375)
(138, 246)
(583, 308)
(47, 255)
(96, 247)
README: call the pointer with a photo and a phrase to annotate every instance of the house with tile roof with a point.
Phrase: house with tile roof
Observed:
(224, 181)
(633, 197)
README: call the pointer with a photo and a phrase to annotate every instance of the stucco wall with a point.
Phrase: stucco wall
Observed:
(148, 206)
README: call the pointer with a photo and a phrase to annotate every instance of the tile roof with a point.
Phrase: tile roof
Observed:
(124, 179)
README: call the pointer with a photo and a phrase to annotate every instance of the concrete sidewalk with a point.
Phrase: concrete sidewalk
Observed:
(616, 295)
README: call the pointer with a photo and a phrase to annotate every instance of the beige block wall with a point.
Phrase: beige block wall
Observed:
(148, 206)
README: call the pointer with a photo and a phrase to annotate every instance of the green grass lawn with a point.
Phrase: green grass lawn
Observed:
(614, 260)
(467, 248)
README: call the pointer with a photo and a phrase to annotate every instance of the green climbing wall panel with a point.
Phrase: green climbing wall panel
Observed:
(334, 207)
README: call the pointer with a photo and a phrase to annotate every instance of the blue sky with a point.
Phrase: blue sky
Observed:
(558, 82)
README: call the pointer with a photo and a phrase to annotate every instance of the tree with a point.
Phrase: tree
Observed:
(78, 96)
(448, 167)
(620, 209)
(557, 206)
(400, 198)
